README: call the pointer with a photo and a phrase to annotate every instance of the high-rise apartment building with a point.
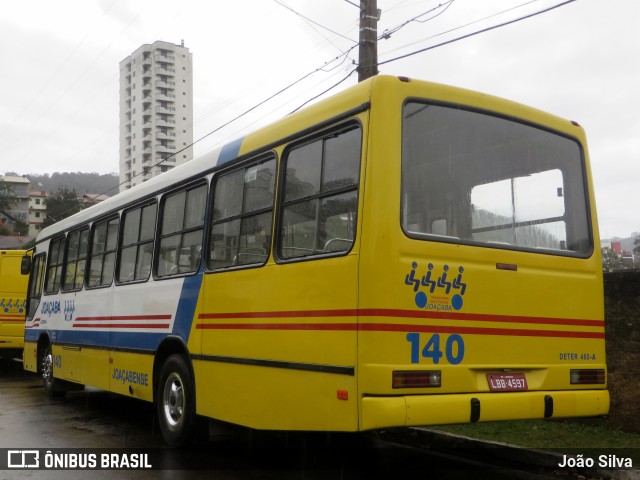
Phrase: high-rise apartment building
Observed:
(156, 111)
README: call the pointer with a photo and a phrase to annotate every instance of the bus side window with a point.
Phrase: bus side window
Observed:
(75, 260)
(242, 216)
(182, 227)
(136, 253)
(104, 241)
(54, 269)
(321, 196)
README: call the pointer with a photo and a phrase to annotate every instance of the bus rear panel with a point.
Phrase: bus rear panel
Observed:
(13, 293)
(486, 300)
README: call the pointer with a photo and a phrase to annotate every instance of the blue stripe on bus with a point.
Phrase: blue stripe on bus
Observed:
(187, 306)
(105, 339)
(230, 151)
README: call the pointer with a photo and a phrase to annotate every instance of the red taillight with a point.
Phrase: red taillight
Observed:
(588, 376)
(416, 378)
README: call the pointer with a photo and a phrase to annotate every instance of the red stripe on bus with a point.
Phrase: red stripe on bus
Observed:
(283, 314)
(279, 326)
(126, 325)
(478, 317)
(375, 312)
(394, 327)
(122, 318)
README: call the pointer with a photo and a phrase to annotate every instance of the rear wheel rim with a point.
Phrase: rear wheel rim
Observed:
(173, 401)
(47, 366)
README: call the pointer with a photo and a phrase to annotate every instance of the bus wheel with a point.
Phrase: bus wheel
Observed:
(175, 401)
(46, 368)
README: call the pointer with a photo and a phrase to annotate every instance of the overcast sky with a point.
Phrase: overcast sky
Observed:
(60, 71)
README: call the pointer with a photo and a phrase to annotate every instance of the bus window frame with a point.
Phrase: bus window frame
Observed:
(245, 164)
(145, 203)
(158, 236)
(79, 231)
(515, 248)
(90, 252)
(352, 123)
(52, 241)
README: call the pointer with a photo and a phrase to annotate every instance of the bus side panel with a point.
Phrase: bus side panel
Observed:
(13, 290)
(280, 352)
(143, 315)
(81, 329)
(30, 357)
(130, 374)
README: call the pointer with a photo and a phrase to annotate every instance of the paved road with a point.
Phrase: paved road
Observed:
(100, 420)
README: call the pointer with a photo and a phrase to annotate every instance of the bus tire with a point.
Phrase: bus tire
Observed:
(175, 401)
(51, 387)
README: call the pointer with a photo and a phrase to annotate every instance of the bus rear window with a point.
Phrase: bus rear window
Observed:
(470, 177)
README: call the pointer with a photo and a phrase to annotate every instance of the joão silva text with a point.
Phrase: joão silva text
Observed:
(604, 461)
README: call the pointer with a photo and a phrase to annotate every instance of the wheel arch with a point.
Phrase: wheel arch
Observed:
(43, 341)
(172, 345)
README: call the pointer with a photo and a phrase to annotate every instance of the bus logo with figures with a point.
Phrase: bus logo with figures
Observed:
(437, 290)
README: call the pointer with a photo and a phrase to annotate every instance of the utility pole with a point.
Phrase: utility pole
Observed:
(368, 51)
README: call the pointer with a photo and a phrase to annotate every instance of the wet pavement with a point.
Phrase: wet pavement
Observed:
(94, 422)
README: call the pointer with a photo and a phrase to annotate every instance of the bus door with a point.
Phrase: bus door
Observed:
(33, 318)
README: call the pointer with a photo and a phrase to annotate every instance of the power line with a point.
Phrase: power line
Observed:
(284, 5)
(462, 26)
(327, 90)
(477, 32)
(387, 33)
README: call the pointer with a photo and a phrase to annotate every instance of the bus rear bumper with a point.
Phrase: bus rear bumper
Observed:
(397, 411)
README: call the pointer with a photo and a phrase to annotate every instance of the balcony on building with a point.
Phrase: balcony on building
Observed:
(165, 110)
(165, 71)
(165, 148)
(165, 136)
(165, 57)
(165, 84)
(160, 122)
(165, 97)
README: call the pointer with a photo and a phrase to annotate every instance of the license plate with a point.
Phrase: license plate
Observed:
(507, 382)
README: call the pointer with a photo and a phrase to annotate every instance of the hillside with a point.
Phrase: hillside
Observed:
(80, 182)
(625, 243)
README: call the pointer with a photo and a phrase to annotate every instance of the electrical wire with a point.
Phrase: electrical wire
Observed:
(477, 32)
(387, 33)
(327, 90)
(462, 26)
(284, 5)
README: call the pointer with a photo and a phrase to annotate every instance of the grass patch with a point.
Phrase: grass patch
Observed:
(547, 434)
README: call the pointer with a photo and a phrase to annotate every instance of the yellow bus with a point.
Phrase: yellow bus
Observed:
(13, 294)
(402, 253)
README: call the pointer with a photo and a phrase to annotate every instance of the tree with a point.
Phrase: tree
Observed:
(610, 260)
(61, 204)
(7, 197)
